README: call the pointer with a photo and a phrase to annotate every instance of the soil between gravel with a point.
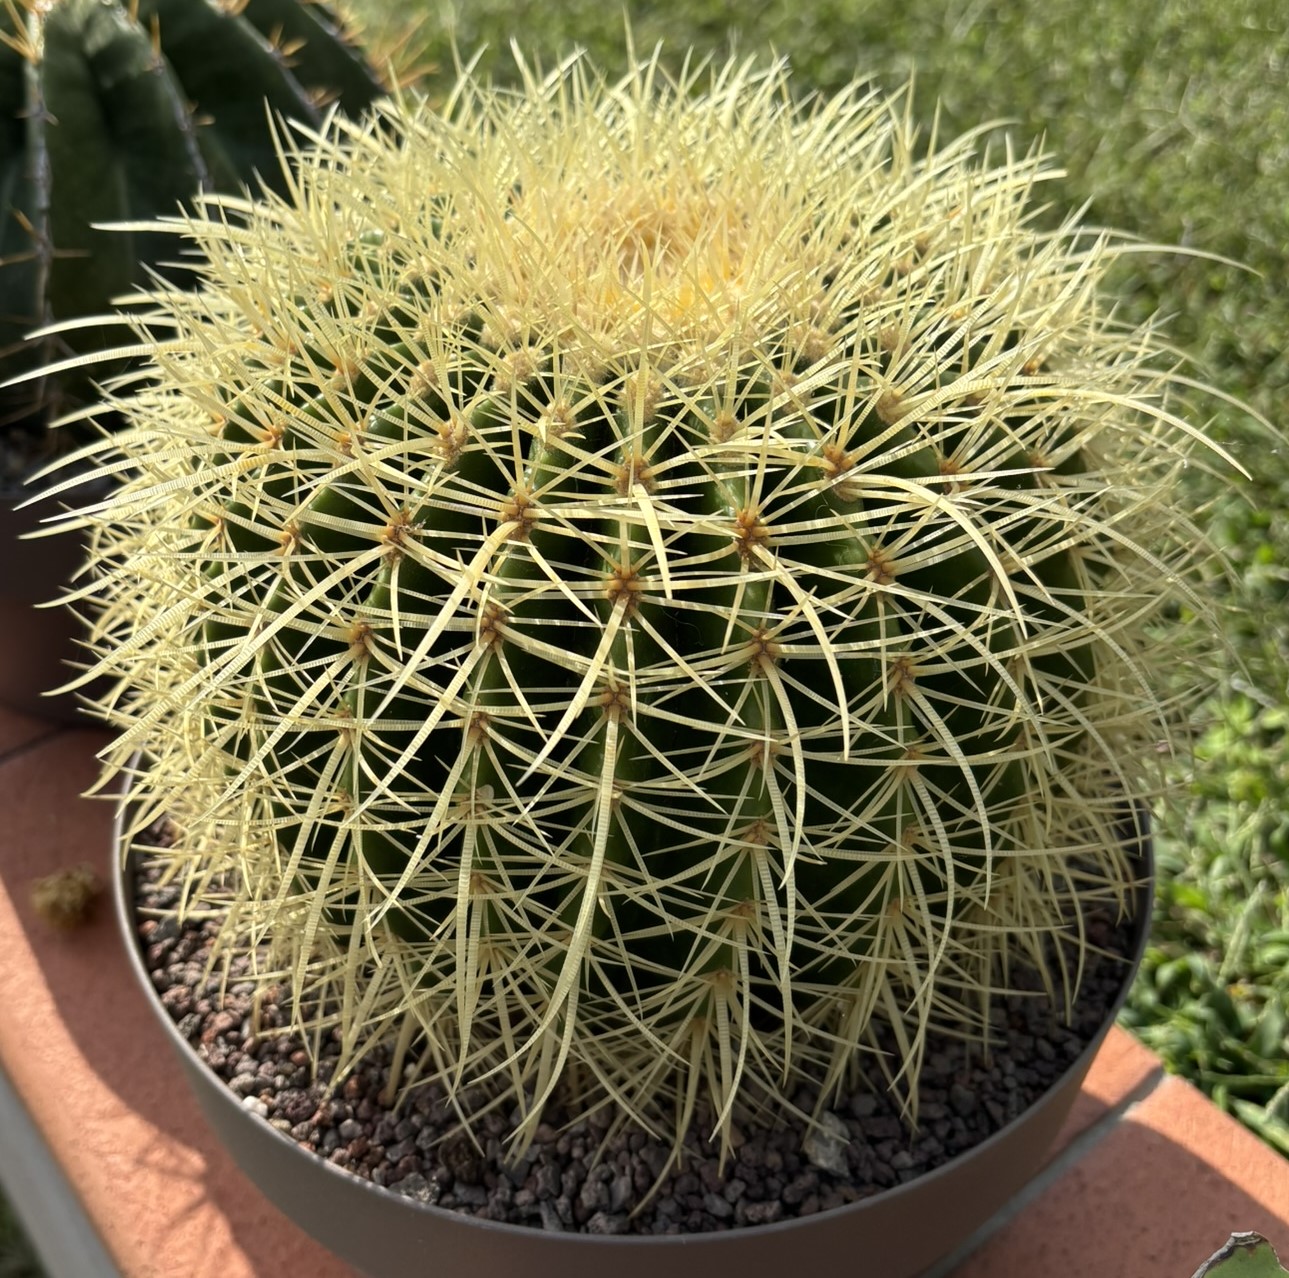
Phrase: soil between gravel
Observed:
(566, 1182)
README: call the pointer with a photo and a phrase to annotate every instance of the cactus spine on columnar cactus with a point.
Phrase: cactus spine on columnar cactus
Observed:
(628, 587)
(116, 112)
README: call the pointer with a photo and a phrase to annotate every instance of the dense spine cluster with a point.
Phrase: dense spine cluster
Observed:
(627, 587)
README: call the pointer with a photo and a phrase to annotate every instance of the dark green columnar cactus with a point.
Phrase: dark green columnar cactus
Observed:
(633, 588)
(121, 113)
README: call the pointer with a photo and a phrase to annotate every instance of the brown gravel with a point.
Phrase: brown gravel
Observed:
(560, 1184)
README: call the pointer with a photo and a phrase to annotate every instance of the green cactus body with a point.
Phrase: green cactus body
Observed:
(123, 113)
(641, 585)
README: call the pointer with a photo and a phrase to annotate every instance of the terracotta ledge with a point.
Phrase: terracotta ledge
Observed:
(1148, 1179)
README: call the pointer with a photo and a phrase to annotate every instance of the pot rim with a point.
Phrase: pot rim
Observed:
(125, 910)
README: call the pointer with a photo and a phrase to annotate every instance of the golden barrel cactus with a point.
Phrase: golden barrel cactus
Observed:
(625, 587)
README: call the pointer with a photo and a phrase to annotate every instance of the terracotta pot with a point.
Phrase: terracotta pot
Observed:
(897, 1233)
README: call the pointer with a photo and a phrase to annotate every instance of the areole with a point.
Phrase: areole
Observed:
(897, 1233)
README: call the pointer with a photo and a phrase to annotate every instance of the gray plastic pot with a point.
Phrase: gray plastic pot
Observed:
(895, 1234)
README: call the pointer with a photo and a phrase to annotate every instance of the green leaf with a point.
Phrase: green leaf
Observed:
(1244, 1256)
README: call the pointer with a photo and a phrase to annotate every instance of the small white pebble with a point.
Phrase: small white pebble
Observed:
(825, 1144)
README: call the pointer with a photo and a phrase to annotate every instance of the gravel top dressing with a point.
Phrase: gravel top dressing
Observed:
(571, 1178)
